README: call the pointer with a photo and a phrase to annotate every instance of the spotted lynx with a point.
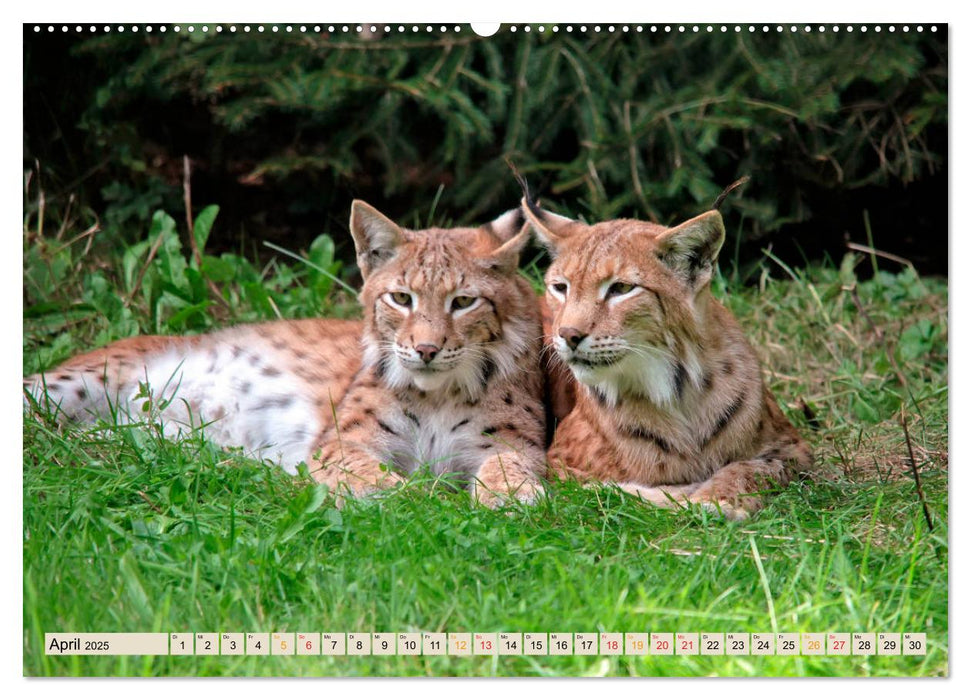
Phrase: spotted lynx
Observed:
(443, 370)
(669, 398)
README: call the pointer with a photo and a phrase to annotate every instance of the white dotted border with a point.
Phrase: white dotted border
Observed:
(442, 29)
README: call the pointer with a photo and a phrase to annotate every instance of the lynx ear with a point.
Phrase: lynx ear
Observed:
(376, 237)
(551, 229)
(690, 250)
(506, 256)
(506, 226)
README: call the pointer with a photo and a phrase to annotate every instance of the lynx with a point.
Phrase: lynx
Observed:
(669, 401)
(443, 371)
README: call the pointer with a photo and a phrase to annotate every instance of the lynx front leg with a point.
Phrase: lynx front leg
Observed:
(736, 489)
(508, 475)
(664, 496)
(350, 469)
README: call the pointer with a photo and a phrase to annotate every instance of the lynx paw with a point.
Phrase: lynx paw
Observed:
(348, 485)
(527, 492)
(741, 509)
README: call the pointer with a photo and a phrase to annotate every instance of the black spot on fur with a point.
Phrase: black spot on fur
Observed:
(270, 372)
(488, 370)
(277, 402)
(368, 411)
(381, 369)
(660, 303)
(725, 418)
(82, 394)
(460, 424)
(707, 381)
(491, 430)
(245, 387)
(237, 351)
(507, 399)
(727, 367)
(680, 374)
(486, 446)
(413, 418)
(599, 396)
(386, 428)
(636, 431)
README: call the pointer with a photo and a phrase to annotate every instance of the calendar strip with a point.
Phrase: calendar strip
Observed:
(487, 644)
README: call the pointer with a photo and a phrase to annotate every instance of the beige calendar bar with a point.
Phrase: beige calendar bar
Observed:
(794, 644)
(106, 644)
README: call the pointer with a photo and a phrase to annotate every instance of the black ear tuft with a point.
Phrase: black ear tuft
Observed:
(728, 190)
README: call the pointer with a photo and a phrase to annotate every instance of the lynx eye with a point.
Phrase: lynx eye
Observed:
(462, 302)
(559, 287)
(401, 299)
(618, 289)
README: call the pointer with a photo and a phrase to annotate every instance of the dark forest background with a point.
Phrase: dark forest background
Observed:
(838, 131)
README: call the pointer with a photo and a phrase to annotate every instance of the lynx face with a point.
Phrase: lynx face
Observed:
(438, 302)
(625, 301)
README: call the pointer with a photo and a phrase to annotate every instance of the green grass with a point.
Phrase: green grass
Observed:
(125, 531)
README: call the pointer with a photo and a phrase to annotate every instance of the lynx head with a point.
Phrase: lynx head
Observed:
(627, 299)
(444, 309)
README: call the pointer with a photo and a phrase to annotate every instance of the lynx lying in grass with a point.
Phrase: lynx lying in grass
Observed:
(443, 370)
(670, 403)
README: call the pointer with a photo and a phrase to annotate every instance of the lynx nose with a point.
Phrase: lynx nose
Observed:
(572, 336)
(427, 352)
